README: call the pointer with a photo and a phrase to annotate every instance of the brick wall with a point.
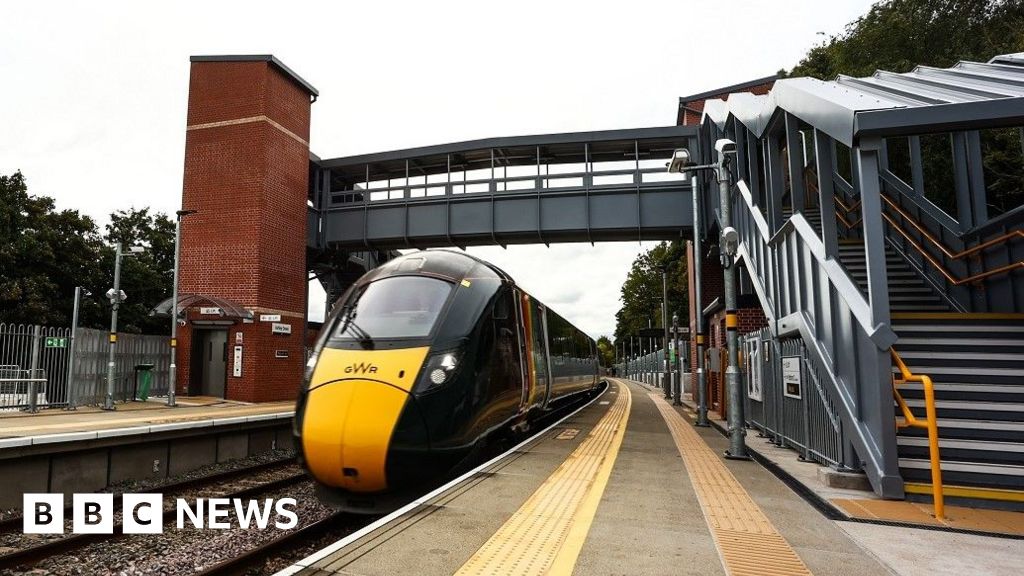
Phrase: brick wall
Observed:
(246, 173)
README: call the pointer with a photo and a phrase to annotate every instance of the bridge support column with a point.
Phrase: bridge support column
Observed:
(246, 176)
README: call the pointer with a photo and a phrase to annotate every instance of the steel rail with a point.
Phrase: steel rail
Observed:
(13, 522)
(59, 546)
(240, 563)
(930, 423)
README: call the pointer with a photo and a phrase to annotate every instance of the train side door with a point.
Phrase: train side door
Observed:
(545, 352)
(536, 351)
(524, 354)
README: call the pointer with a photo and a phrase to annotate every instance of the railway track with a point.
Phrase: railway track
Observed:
(14, 522)
(281, 475)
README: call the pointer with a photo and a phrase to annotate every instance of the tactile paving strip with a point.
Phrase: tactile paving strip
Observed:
(547, 533)
(747, 542)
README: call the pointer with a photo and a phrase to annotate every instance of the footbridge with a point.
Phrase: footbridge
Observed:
(574, 187)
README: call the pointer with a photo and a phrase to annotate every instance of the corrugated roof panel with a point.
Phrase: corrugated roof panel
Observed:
(955, 98)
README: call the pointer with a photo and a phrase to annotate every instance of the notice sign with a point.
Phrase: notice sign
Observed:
(236, 365)
(276, 328)
(270, 317)
(210, 311)
(754, 370)
(56, 342)
(791, 376)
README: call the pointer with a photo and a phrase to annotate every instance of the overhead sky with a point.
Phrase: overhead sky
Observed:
(93, 94)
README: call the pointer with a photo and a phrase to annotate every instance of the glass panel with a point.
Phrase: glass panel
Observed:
(1002, 153)
(396, 307)
(937, 165)
(899, 159)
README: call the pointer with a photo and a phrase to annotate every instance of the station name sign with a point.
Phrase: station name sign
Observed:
(144, 513)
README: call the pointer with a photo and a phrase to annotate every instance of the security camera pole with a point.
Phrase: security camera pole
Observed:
(667, 377)
(115, 300)
(737, 432)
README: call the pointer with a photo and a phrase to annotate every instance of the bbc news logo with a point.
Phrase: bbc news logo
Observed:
(144, 513)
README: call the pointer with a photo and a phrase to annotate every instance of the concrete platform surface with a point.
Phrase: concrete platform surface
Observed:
(864, 504)
(629, 486)
(130, 415)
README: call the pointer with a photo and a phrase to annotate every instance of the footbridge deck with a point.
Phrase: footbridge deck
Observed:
(574, 187)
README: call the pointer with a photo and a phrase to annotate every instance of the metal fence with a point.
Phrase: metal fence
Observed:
(786, 400)
(34, 366)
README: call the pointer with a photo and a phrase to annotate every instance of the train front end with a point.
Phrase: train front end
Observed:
(360, 428)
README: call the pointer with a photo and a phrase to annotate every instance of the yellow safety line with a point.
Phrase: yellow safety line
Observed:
(546, 534)
(1003, 494)
(747, 542)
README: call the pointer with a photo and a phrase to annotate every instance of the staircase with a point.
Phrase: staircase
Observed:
(908, 292)
(977, 365)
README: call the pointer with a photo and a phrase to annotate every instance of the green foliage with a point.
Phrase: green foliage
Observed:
(605, 351)
(897, 35)
(45, 253)
(642, 290)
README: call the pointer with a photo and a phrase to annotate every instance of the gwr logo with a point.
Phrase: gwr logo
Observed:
(361, 368)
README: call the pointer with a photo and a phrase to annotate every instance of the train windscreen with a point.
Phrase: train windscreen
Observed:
(395, 307)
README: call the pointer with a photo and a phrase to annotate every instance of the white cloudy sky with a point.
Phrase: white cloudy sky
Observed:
(93, 94)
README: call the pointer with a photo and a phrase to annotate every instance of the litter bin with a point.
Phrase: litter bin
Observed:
(143, 381)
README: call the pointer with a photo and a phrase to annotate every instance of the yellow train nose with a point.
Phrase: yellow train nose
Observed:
(349, 420)
(346, 432)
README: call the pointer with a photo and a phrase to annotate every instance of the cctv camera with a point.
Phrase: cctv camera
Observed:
(725, 146)
(680, 159)
(730, 241)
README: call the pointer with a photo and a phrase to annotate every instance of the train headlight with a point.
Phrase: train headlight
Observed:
(440, 369)
(307, 374)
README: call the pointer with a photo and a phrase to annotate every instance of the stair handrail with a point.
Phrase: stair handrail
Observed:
(950, 277)
(930, 423)
(942, 269)
(1013, 234)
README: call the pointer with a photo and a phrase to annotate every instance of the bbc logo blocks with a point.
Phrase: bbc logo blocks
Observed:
(92, 514)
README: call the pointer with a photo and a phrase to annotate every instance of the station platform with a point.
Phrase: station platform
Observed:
(130, 418)
(627, 485)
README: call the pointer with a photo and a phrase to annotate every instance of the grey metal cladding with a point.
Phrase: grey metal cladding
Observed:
(926, 99)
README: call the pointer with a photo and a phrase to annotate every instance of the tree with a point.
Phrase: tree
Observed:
(642, 291)
(46, 253)
(605, 351)
(897, 35)
(146, 277)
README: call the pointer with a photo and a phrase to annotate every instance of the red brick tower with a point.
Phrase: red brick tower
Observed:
(246, 176)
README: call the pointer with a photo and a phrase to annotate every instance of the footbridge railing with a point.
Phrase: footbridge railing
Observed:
(575, 187)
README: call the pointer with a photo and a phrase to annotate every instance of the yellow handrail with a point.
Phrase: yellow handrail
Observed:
(930, 423)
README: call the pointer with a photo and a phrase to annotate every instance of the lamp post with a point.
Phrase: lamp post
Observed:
(698, 257)
(676, 356)
(71, 346)
(667, 377)
(172, 371)
(116, 296)
(728, 244)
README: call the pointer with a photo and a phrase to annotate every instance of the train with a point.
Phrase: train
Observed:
(422, 362)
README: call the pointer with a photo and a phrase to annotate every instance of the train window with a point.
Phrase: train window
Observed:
(396, 307)
(502, 305)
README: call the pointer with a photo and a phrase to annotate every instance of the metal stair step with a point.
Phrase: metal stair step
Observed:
(966, 473)
(939, 340)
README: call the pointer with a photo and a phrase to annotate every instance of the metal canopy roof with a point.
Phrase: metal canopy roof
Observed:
(968, 95)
